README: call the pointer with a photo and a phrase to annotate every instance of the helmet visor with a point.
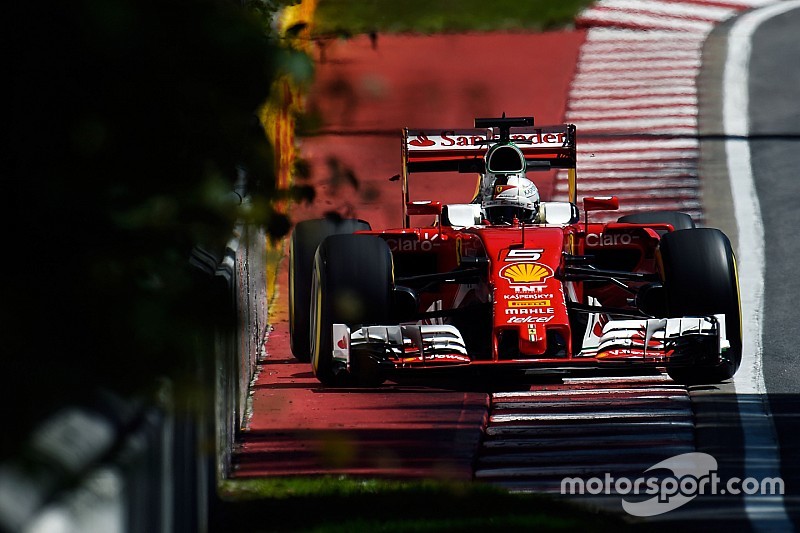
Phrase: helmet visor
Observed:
(507, 214)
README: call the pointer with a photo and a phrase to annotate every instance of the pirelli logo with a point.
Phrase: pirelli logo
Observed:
(529, 303)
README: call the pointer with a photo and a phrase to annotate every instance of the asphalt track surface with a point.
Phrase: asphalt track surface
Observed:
(772, 137)
(775, 154)
(299, 428)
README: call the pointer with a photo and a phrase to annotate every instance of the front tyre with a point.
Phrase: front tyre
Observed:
(351, 284)
(305, 239)
(700, 279)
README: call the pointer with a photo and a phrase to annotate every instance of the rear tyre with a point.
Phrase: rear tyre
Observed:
(352, 285)
(306, 237)
(676, 219)
(700, 279)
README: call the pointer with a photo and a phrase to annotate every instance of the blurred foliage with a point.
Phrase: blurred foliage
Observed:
(348, 17)
(127, 125)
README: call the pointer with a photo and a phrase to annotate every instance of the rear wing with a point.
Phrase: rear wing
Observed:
(464, 150)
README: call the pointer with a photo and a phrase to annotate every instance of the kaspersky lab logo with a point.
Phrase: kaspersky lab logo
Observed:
(691, 475)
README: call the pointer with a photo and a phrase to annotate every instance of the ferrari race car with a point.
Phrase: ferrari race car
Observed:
(555, 292)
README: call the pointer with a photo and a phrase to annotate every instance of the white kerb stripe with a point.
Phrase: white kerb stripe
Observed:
(750, 3)
(630, 103)
(641, 184)
(639, 155)
(675, 9)
(661, 173)
(648, 21)
(589, 90)
(643, 166)
(617, 36)
(653, 46)
(626, 145)
(641, 123)
(649, 82)
(593, 64)
(617, 56)
(636, 70)
(632, 113)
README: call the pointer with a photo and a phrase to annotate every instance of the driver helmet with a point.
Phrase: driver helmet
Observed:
(509, 196)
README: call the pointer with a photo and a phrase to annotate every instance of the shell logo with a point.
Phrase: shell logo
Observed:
(526, 273)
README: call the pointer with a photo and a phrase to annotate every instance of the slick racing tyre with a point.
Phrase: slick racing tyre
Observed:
(305, 239)
(352, 285)
(700, 279)
(677, 219)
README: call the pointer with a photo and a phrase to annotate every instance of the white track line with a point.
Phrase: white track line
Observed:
(760, 440)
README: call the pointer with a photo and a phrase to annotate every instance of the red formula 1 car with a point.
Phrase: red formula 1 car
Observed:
(539, 288)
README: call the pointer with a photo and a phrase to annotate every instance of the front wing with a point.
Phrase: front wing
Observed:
(650, 342)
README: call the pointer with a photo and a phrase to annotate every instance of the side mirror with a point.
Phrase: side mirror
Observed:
(600, 203)
(424, 208)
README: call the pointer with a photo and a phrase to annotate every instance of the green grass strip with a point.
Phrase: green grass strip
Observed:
(349, 17)
(339, 504)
